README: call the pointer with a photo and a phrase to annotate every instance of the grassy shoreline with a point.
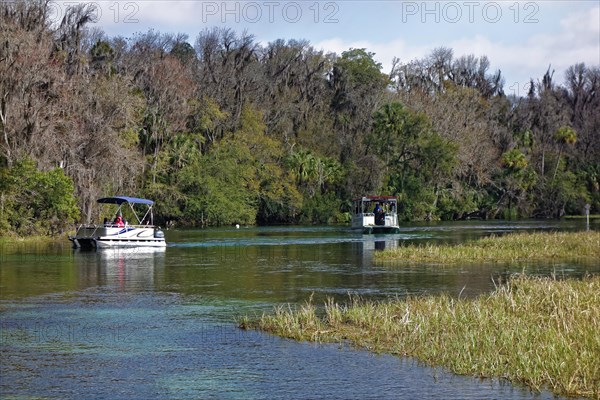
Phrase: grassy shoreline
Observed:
(38, 239)
(513, 247)
(540, 332)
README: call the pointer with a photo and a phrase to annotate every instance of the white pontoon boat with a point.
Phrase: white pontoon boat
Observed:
(118, 233)
(376, 214)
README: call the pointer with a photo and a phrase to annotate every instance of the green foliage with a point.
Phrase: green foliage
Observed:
(516, 181)
(184, 52)
(458, 202)
(206, 119)
(36, 202)
(565, 194)
(183, 150)
(418, 160)
(566, 135)
(314, 174)
(323, 209)
(590, 176)
(238, 180)
(437, 158)
(129, 139)
(233, 131)
(216, 188)
(515, 160)
(360, 67)
(271, 186)
(169, 201)
(524, 138)
(102, 56)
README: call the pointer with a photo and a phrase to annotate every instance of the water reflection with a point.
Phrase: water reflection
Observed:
(122, 267)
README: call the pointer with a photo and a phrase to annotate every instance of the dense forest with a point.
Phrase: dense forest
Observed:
(222, 129)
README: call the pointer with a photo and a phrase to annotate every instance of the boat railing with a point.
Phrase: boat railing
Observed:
(370, 214)
(100, 229)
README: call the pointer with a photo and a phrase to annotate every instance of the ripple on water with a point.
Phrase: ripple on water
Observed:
(161, 324)
(166, 346)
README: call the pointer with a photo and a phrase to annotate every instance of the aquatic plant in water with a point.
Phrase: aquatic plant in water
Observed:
(541, 332)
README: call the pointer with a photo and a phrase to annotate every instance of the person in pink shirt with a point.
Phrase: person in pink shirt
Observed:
(119, 222)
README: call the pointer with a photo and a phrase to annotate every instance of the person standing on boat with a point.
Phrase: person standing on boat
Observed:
(377, 209)
(379, 215)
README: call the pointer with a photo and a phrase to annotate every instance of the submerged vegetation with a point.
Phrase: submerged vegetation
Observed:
(508, 248)
(222, 129)
(540, 332)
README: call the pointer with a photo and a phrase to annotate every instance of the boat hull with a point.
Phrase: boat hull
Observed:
(102, 243)
(366, 224)
(375, 229)
(100, 237)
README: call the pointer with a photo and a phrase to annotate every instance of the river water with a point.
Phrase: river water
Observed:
(155, 324)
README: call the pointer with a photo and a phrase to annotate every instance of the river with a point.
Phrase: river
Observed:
(156, 324)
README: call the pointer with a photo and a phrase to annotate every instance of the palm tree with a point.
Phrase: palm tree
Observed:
(564, 135)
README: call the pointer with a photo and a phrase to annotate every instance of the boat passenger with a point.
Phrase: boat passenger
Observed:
(377, 209)
(379, 215)
(119, 222)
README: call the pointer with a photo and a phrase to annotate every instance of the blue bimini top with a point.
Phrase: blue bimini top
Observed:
(124, 199)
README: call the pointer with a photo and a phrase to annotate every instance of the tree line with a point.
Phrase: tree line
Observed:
(223, 129)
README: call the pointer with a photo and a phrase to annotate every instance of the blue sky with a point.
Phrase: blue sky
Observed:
(522, 38)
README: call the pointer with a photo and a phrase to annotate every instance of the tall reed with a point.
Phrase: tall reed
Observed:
(540, 332)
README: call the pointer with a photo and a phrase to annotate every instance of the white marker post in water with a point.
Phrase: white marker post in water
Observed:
(587, 216)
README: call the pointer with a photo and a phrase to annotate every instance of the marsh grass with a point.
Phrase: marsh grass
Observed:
(28, 240)
(509, 248)
(540, 332)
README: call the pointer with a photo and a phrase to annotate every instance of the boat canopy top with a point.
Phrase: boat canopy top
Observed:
(124, 199)
(377, 198)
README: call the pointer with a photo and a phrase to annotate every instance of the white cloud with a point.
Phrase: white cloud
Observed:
(165, 16)
(577, 40)
(583, 22)
(521, 51)
(384, 52)
(172, 13)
